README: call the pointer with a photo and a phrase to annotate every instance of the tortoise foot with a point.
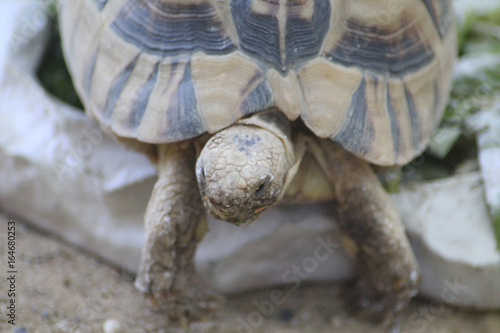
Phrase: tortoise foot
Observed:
(384, 302)
(178, 298)
(192, 305)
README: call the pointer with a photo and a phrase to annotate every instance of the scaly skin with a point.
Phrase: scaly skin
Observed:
(175, 223)
(244, 169)
(241, 172)
(237, 161)
(372, 232)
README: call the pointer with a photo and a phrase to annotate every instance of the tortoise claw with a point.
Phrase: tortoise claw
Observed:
(385, 306)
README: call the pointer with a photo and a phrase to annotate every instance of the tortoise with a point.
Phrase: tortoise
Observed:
(231, 96)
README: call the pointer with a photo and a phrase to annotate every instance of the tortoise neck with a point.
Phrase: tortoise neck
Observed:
(273, 121)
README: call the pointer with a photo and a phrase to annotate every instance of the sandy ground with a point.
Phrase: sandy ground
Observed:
(61, 289)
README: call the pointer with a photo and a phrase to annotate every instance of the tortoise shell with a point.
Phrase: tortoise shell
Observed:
(372, 75)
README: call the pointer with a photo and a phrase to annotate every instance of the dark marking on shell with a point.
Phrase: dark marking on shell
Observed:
(439, 10)
(369, 48)
(99, 3)
(182, 115)
(304, 38)
(90, 72)
(258, 75)
(375, 82)
(142, 102)
(116, 89)
(170, 29)
(393, 118)
(261, 98)
(173, 68)
(357, 133)
(259, 34)
(414, 120)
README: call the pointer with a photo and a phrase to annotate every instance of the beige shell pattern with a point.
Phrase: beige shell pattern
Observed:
(372, 75)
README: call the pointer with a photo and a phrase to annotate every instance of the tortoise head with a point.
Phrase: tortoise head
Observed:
(242, 171)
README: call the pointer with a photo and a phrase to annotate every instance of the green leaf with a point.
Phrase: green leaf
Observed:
(496, 226)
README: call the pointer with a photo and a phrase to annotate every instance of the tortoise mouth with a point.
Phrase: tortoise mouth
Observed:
(232, 213)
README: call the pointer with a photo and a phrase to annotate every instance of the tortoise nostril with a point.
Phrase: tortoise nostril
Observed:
(261, 188)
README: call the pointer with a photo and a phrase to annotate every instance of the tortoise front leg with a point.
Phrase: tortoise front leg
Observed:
(174, 224)
(373, 232)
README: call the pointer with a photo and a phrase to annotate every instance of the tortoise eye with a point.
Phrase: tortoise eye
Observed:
(203, 178)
